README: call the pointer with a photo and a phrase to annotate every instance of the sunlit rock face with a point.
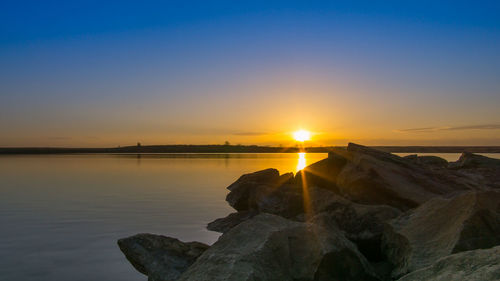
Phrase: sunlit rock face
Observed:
(269, 247)
(369, 176)
(443, 226)
(476, 265)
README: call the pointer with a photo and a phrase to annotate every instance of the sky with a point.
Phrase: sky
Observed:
(110, 73)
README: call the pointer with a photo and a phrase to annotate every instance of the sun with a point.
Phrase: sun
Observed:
(302, 135)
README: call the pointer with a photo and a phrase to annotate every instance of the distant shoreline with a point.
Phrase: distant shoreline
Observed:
(239, 149)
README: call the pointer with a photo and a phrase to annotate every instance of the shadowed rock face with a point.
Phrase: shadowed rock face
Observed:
(471, 160)
(484, 170)
(441, 227)
(159, 257)
(225, 224)
(269, 247)
(476, 265)
(266, 191)
(429, 161)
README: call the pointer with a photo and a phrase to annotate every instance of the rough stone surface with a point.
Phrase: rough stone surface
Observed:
(225, 224)
(476, 265)
(440, 227)
(159, 257)
(377, 177)
(471, 160)
(429, 161)
(269, 247)
(266, 191)
(484, 170)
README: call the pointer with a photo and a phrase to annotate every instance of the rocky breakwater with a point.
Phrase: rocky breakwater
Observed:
(360, 214)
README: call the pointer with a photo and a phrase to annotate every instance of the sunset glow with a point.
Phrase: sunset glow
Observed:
(302, 135)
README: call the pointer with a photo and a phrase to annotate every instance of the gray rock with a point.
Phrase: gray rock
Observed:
(225, 224)
(440, 227)
(476, 265)
(266, 191)
(323, 173)
(377, 177)
(358, 221)
(159, 257)
(482, 169)
(471, 160)
(428, 160)
(364, 226)
(269, 247)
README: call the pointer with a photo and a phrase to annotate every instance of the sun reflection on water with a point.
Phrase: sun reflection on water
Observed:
(301, 163)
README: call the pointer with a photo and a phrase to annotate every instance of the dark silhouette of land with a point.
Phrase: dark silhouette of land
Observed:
(238, 149)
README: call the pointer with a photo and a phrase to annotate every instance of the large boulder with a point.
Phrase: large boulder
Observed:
(324, 172)
(476, 265)
(376, 177)
(440, 227)
(471, 160)
(483, 169)
(269, 247)
(359, 222)
(159, 257)
(266, 191)
(225, 224)
(363, 225)
(427, 160)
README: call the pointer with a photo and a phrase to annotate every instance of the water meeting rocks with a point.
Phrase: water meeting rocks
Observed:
(266, 191)
(360, 214)
(484, 170)
(159, 257)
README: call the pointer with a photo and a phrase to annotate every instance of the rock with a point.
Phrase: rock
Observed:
(225, 224)
(428, 161)
(476, 265)
(269, 247)
(159, 257)
(364, 226)
(324, 172)
(358, 221)
(359, 174)
(484, 170)
(440, 227)
(471, 160)
(377, 177)
(265, 191)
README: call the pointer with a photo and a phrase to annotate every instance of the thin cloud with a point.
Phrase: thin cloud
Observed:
(249, 134)
(451, 128)
(59, 138)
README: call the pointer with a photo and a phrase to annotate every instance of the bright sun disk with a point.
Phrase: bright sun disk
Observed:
(302, 135)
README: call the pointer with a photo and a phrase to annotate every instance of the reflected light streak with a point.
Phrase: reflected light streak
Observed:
(305, 191)
(301, 164)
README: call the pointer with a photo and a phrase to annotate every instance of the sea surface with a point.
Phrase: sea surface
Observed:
(60, 215)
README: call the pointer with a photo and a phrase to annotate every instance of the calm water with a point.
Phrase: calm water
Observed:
(60, 216)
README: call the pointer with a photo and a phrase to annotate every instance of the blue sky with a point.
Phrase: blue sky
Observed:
(105, 73)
